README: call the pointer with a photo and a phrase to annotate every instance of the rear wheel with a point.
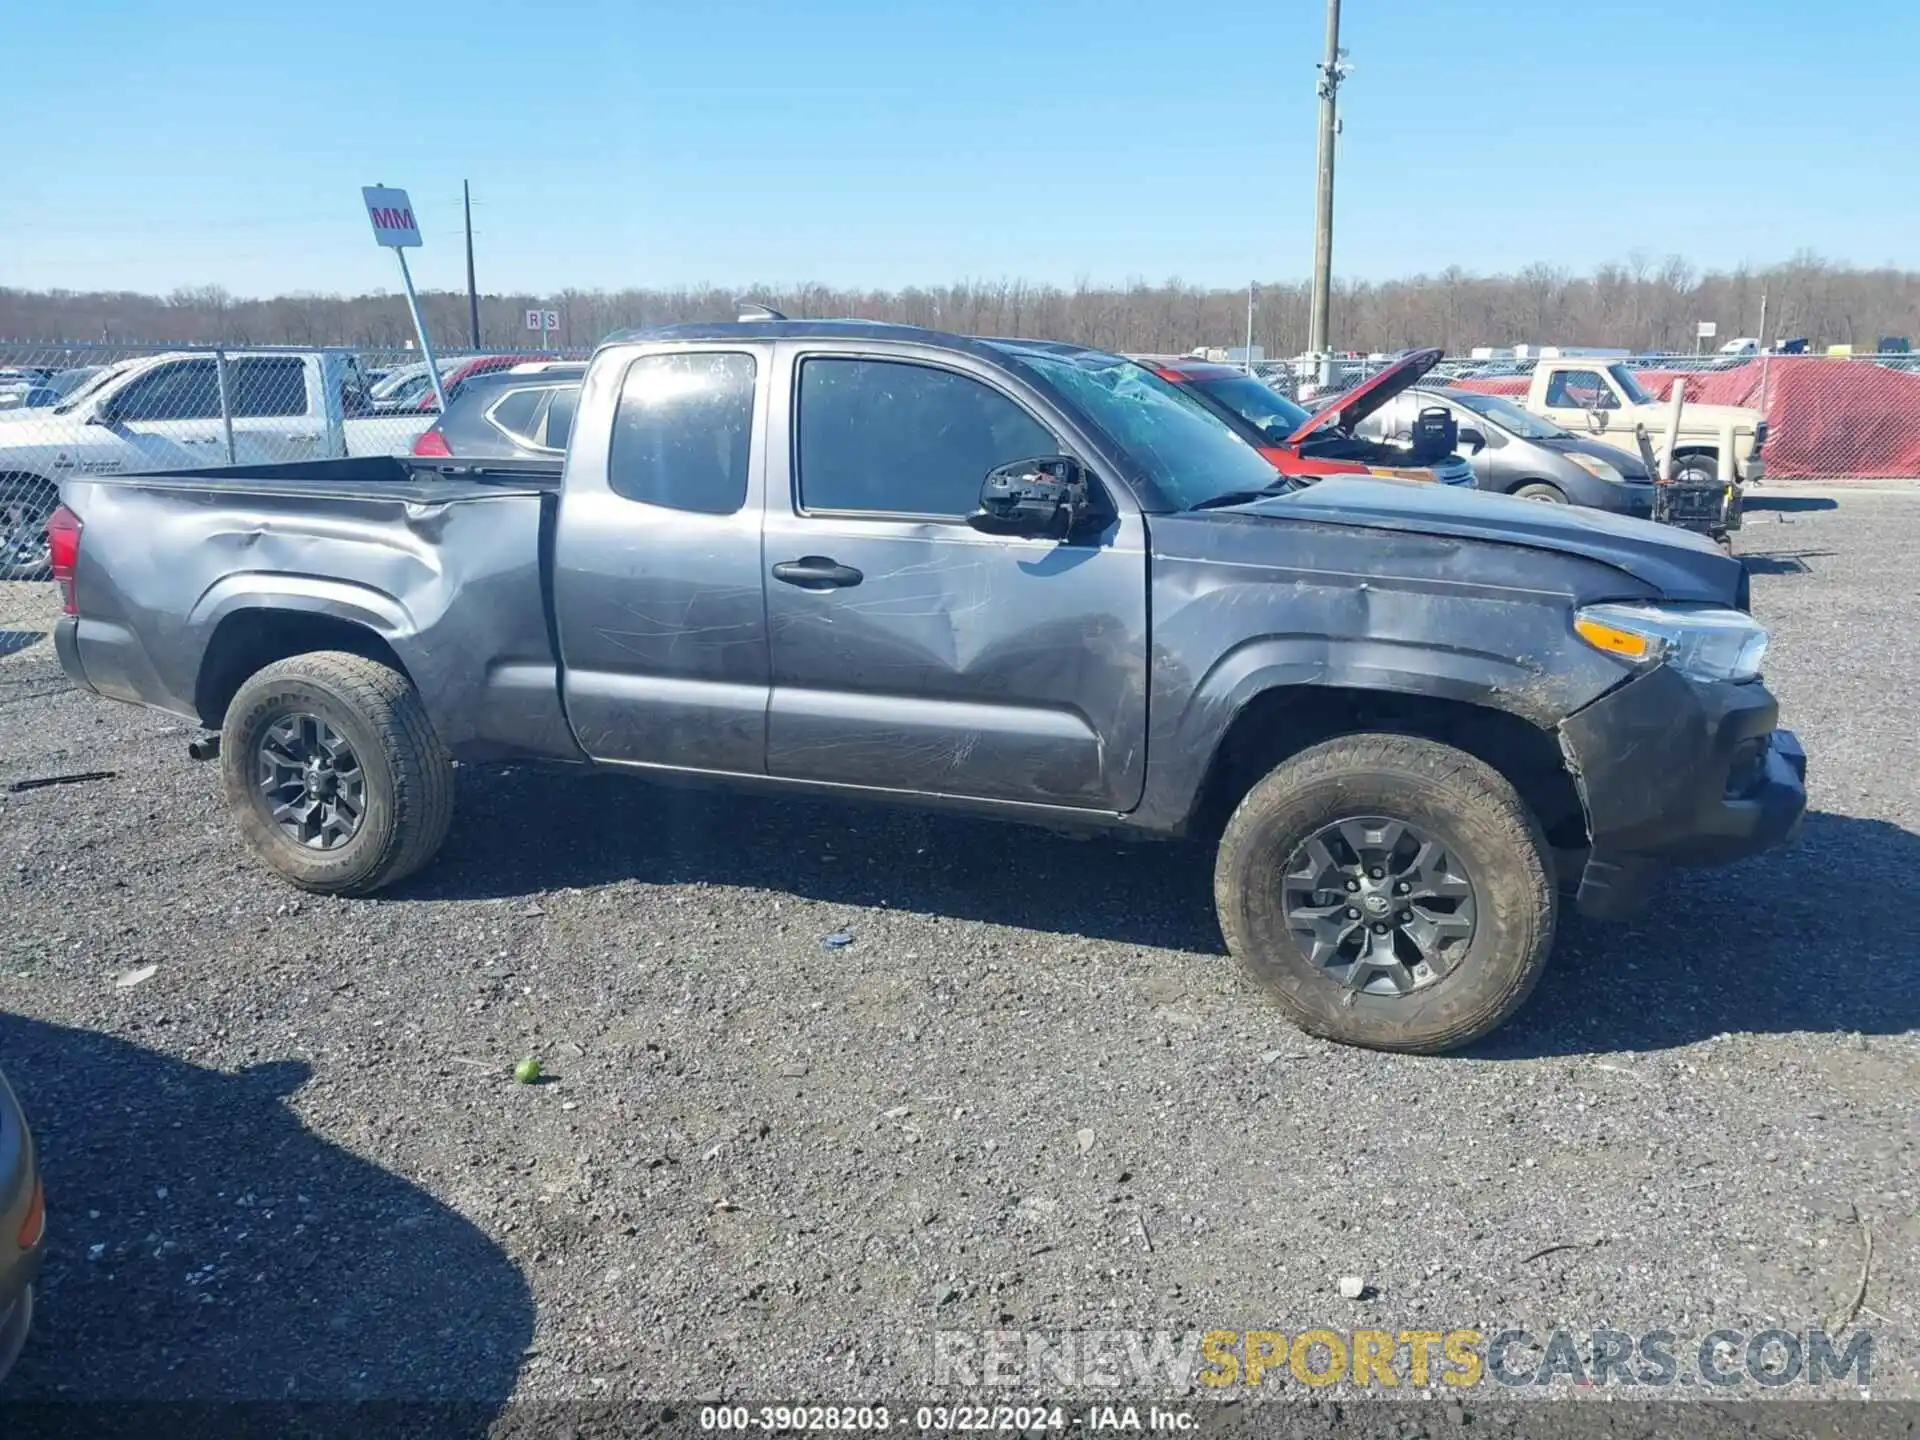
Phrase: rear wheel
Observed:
(25, 508)
(333, 772)
(1388, 891)
(1540, 490)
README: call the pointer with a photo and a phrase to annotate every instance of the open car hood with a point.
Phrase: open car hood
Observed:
(1353, 406)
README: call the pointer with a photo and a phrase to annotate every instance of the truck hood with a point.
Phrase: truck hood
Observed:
(1701, 418)
(1676, 564)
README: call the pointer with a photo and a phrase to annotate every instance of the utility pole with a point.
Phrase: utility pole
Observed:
(1248, 357)
(1332, 71)
(473, 295)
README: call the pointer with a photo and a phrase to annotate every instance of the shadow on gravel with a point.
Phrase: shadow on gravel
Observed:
(1753, 501)
(205, 1246)
(12, 642)
(1783, 562)
(1817, 937)
(520, 832)
(1765, 945)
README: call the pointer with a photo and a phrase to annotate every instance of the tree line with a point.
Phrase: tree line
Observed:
(1638, 303)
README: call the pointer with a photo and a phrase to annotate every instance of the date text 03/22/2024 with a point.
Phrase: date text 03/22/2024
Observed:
(961, 1419)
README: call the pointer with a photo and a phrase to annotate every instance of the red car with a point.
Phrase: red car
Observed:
(1307, 447)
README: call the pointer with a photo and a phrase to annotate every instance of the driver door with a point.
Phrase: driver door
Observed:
(910, 651)
(171, 415)
(1575, 395)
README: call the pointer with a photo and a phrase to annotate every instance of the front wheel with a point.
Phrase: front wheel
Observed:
(1540, 490)
(334, 774)
(1388, 891)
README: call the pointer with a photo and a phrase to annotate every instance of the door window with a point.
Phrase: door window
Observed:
(1580, 390)
(682, 431)
(268, 386)
(184, 390)
(891, 437)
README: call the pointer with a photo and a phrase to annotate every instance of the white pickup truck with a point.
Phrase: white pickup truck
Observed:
(1604, 399)
(183, 409)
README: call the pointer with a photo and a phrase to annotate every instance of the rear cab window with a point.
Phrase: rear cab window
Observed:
(683, 431)
(261, 387)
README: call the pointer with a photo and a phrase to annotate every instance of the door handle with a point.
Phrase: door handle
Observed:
(816, 572)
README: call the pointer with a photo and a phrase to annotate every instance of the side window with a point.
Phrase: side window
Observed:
(904, 439)
(267, 386)
(1580, 390)
(184, 390)
(517, 412)
(682, 431)
(560, 416)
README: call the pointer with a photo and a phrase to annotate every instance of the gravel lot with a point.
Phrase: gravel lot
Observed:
(1032, 1092)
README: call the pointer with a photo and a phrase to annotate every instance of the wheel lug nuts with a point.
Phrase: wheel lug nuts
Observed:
(1352, 914)
(1379, 929)
(1405, 916)
(1353, 884)
(1401, 888)
(1377, 873)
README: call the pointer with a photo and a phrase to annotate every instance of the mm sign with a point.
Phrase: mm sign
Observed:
(392, 215)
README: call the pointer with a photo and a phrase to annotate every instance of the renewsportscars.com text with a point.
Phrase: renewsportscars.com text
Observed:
(1719, 1361)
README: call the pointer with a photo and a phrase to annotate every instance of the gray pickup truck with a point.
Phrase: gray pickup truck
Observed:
(1017, 578)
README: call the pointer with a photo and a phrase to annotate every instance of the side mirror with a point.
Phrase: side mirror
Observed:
(1597, 420)
(105, 413)
(1045, 496)
(1276, 431)
(1475, 440)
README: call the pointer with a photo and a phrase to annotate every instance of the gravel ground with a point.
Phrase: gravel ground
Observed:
(1032, 1093)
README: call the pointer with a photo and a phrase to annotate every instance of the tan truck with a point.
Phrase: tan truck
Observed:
(1604, 398)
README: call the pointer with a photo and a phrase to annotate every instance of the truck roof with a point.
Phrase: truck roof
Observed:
(983, 347)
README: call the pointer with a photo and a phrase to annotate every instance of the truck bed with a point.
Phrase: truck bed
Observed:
(187, 575)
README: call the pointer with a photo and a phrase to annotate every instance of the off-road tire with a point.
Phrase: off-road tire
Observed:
(1539, 490)
(408, 773)
(1462, 802)
(1696, 470)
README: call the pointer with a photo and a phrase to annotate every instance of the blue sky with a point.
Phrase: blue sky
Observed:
(889, 142)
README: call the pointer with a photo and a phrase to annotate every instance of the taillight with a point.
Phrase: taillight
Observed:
(431, 442)
(63, 551)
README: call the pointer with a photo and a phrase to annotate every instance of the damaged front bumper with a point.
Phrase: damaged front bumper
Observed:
(1676, 773)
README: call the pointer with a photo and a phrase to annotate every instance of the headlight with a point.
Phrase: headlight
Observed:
(1707, 642)
(1596, 467)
